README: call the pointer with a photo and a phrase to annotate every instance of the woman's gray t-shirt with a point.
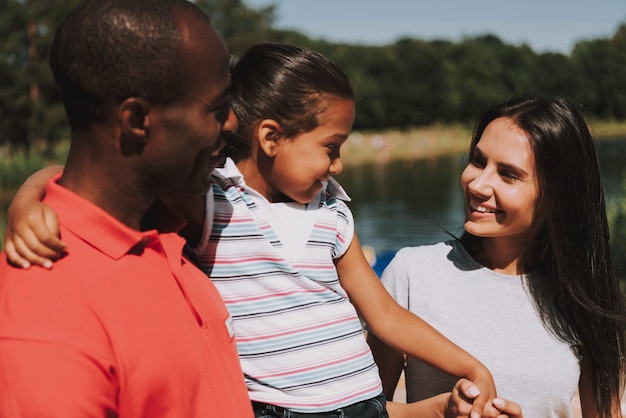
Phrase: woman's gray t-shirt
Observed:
(492, 317)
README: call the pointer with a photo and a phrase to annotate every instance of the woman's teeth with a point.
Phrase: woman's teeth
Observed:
(482, 209)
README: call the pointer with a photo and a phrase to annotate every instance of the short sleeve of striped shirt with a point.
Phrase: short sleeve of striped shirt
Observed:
(345, 229)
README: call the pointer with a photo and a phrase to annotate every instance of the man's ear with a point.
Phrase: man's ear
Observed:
(268, 136)
(134, 122)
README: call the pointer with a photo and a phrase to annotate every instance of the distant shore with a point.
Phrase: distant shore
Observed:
(430, 142)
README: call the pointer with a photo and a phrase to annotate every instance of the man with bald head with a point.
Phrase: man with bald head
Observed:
(123, 324)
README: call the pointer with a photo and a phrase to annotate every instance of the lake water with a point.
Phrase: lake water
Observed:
(403, 204)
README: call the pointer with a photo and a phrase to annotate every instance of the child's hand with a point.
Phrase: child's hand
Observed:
(461, 399)
(482, 405)
(32, 235)
(463, 396)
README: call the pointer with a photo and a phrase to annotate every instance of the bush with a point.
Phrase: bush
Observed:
(14, 170)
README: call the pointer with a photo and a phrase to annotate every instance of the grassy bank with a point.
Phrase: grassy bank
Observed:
(361, 147)
(417, 143)
(432, 141)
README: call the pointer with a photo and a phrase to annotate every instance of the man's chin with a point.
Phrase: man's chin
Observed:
(217, 160)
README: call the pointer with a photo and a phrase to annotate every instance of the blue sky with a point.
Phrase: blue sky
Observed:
(545, 25)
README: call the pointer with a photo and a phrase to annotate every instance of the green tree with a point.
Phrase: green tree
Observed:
(368, 68)
(602, 64)
(408, 83)
(30, 108)
(476, 77)
(516, 63)
(240, 25)
(418, 85)
(555, 73)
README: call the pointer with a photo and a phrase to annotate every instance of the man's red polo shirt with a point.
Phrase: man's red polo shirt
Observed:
(122, 325)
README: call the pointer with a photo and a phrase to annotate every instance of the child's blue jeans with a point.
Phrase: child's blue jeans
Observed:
(371, 408)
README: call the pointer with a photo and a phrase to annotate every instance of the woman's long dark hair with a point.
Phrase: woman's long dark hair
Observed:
(570, 267)
(283, 82)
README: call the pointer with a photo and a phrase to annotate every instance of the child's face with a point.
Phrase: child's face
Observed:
(303, 162)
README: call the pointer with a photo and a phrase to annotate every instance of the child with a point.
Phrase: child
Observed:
(278, 241)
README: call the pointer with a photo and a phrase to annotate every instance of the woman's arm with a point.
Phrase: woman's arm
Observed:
(32, 229)
(406, 332)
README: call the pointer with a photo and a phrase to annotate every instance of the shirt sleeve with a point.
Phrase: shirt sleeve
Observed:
(395, 278)
(345, 229)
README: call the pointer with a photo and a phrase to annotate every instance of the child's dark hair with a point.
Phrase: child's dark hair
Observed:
(283, 82)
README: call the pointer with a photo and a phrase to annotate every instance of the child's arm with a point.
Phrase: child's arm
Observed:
(32, 231)
(32, 228)
(456, 404)
(390, 364)
(407, 332)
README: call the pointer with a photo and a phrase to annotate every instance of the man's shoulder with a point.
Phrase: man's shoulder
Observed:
(46, 304)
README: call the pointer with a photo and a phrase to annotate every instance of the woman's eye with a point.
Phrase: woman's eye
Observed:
(509, 176)
(478, 161)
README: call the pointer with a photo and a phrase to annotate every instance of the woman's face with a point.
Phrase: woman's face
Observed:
(500, 184)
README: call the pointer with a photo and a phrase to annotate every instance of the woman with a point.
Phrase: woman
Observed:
(533, 264)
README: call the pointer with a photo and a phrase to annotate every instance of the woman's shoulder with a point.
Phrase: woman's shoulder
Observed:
(430, 255)
(417, 257)
(426, 250)
(410, 264)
